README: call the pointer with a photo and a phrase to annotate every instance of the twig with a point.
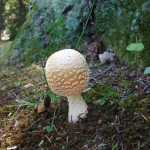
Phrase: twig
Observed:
(15, 112)
(146, 87)
(49, 139)
(101, 145)
(32, 125)
(115, 146)
(67, 139)
(86, 90)
(144, 118)
(105, 71)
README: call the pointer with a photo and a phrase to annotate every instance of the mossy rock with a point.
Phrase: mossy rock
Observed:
(53, 25)
(125, 22)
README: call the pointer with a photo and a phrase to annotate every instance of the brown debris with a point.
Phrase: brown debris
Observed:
(93, 51)
(108, 126)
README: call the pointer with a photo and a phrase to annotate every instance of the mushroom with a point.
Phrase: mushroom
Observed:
(67, 75)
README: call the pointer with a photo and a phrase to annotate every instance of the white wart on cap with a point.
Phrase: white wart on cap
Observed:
(67, 75)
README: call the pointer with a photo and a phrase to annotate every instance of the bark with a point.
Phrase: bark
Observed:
(0, 35)
(2, 9)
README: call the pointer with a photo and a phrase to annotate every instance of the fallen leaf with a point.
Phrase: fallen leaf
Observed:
(52, 106)
(41, 107)
(106, 56)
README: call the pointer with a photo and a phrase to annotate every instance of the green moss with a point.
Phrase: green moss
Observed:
(124, 22)
(47, 24)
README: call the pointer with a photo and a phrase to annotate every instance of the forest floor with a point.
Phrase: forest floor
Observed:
(118, 118)
(118, 104)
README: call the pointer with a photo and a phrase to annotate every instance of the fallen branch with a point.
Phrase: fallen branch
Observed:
(103, 73)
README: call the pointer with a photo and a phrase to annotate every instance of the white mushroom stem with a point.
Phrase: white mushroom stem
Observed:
(77, 108)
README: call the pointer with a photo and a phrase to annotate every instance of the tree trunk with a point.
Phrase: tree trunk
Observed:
(0, 36)
(2, 9)
(22, 8)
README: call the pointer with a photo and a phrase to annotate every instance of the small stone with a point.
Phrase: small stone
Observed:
(41, 143)
(100, 121)
(147, 91)
(111, 125)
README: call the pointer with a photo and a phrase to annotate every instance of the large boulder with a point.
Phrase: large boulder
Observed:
(51, 25)
(123, 23)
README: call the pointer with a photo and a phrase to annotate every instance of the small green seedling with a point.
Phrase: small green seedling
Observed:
(147, 71)
(101, 101)
(3, 88)
(57, 138)
(142, 145)
(135, 47)
(17, 83)
(49, 128)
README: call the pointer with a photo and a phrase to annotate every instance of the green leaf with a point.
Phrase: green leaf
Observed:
(3, 88)
(17, 84)
(147, 70)
(57, 138)
(101, 101)
(53, 97)
(142, 145)
(122, 103)
(135, 47)
(49, 128)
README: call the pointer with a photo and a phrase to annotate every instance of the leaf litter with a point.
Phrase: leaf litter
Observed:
(118, 118)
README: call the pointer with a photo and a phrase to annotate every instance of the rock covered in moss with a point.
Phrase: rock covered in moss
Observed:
(123, 22)
(58, 24)
(54, 24)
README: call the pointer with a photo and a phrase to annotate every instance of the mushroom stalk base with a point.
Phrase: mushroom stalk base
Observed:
(77, 108)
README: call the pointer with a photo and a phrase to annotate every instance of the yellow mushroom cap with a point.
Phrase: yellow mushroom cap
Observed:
(67, 72)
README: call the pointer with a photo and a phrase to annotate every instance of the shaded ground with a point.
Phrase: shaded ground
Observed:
(118, 118)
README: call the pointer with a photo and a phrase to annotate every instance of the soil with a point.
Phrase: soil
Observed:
(118, 104)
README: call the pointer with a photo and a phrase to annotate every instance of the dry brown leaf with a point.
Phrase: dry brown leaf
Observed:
(41, 107)
(52, 106)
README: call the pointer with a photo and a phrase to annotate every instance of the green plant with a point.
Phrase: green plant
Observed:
(3, 88)
(49, 128)
(107, 94)
(57, 138)
(147, 71)
(135, 47)
(17, 83)
(101, 94)
(51, 94)
(24, 103)
(27, 92)
(85, 26)
(142, 145)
